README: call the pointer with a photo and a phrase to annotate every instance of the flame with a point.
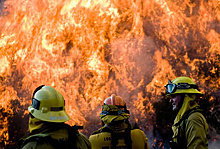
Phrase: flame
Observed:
(89, 49)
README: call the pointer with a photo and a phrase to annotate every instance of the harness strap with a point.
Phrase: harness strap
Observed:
(127, 136)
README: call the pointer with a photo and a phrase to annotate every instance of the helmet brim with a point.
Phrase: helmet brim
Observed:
(49, 116)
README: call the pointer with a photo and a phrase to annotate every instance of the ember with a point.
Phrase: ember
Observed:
(89, 49)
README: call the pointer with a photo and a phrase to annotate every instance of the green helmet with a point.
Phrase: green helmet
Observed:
(182, 85)
(48, 105)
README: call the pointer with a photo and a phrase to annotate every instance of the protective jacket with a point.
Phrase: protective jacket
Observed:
(54, 136)
(190, 127)
(118, 136)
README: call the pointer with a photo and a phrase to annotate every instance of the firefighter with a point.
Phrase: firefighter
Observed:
(190, 128)
(46, 123)
(117, 132)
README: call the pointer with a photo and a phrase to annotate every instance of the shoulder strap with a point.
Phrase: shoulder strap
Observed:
(127, 136)
(98, 131)
(73, 134)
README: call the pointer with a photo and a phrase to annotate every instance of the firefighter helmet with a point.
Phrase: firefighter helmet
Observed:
(115, 100)
(182, 85)
(48, 105)
(114, 105)
(114, 109)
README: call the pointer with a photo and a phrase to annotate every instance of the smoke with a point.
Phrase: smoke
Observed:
(1, 6)
(214, 144)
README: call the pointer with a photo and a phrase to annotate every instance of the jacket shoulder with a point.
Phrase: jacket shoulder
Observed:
(100, 136)
(37, 141)
(99, 140)
(196, 115)
(56, 139)
(36, 145)
(196, 118)
(137, 133)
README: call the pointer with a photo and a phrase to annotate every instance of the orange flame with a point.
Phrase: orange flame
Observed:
(89, 49)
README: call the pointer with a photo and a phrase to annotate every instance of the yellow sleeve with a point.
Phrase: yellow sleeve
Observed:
(139, 139)
(146, 141)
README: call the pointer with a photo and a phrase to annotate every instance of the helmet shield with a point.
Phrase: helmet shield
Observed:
(48, 105)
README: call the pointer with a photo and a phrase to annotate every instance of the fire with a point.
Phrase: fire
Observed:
(89, 49)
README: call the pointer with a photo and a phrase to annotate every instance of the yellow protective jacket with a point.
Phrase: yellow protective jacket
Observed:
(190, 127)
(101, 139)
(55, 136)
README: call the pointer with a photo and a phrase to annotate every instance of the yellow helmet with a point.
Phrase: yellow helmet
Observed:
(182, 85)
(48, 105)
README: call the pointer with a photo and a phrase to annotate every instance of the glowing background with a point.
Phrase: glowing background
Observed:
(89, 49)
